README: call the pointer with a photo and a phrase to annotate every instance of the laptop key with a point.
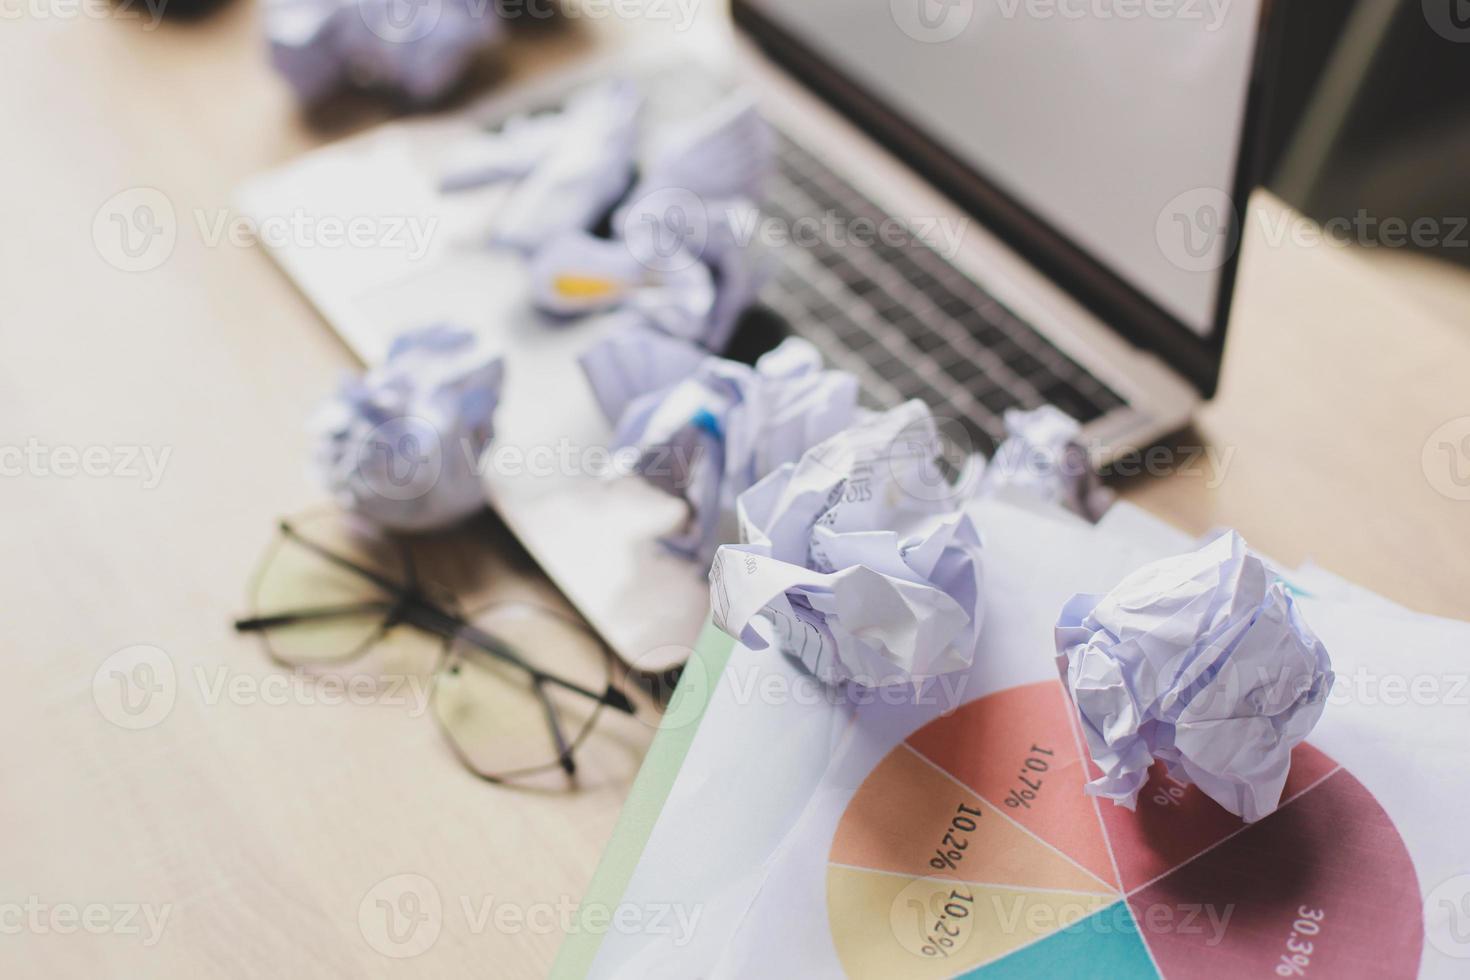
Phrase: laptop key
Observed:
(902, 291)
(1071, 401)
(928, 341)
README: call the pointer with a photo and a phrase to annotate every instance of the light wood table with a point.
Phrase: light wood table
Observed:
(263, 825)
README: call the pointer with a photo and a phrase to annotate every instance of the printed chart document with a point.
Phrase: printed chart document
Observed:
(949, 835)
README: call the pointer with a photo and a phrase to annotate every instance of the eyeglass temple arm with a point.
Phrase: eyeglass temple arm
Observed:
(611, 697)
(438, 622)
(428, 616)
(563, 750)
(381, 581)
(252, 624)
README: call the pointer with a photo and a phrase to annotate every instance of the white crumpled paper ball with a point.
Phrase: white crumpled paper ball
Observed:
(683, 252)
(709, 437)
(634, 359)
(854, 563)
(1202, 661)
(402, 445)
(416, 50)
(1043, 459)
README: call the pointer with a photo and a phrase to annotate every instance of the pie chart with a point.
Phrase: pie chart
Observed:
(971, 850)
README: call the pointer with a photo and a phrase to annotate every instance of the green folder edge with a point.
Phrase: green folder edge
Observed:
(646, 799)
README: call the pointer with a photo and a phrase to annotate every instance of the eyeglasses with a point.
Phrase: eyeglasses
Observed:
(518, 687)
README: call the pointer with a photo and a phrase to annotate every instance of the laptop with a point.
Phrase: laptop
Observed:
(986, 204)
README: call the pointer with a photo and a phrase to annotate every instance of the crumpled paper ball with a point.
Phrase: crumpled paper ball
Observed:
(576, 274)
(714, 434)
(852, 564)
(570, 167)
(1042, 458)
(1202, 661)
(703, 268)
(402, 445)
(696, 204)
(416, 50)
(683, 251)
(633, 360)
(725, 153)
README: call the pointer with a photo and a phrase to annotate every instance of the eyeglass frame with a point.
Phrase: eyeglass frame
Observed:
(409, 605)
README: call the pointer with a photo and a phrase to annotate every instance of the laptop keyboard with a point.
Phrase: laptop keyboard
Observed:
(894, 312)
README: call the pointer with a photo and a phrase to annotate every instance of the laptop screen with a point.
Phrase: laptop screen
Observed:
(1117, 123)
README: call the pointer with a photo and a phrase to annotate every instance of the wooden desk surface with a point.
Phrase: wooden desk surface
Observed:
(263, 826)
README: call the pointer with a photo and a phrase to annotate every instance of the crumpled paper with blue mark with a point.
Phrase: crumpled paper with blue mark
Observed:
(633, 360)
(1202, 661)
(402, 445)
(715, 432)
(853, 563)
